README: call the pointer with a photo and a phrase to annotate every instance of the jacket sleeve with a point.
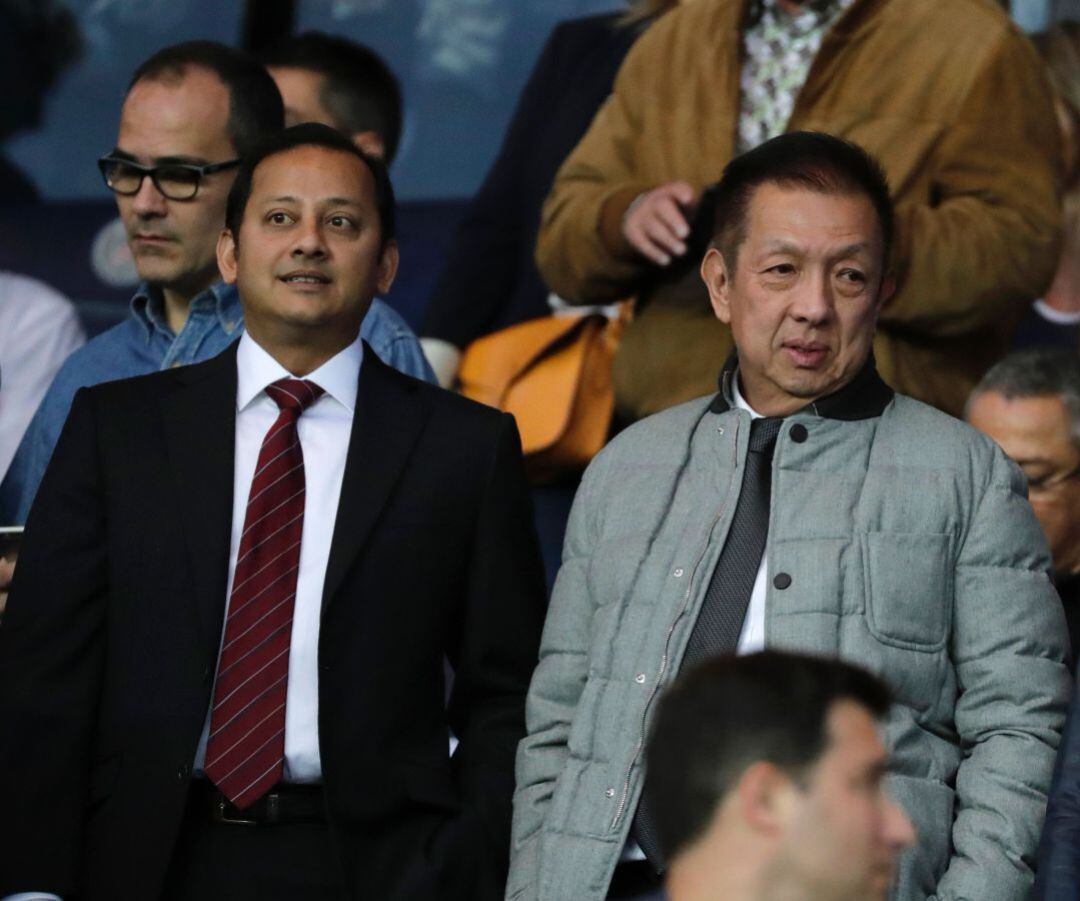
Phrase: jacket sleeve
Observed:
(580, 250)
(51, 652)
(554, 693)
(1058, 874)
(987, 242)
(1009, 646)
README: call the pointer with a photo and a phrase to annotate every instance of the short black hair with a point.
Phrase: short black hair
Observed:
(1037, 372)
(255, 107)
(361, 92)
(811, 160)
(310, 134)
(730, 712)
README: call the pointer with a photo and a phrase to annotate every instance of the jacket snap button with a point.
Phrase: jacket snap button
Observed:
(678, 573)
(640, 678)
(610, 793)
(798, 433)
(782, 581)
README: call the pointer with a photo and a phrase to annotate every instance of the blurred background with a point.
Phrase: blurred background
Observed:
(461, 64)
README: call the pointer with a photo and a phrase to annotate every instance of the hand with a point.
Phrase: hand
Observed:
(656, 223)
(7, 573)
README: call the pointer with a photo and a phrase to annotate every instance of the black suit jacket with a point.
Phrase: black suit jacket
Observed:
(110, 640)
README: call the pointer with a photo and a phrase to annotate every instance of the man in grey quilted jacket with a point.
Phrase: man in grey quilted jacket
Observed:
(806, 507)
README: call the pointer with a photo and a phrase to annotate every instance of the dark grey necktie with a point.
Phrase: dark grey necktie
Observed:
(720, 621)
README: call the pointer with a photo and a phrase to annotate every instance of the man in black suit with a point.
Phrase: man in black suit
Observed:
(221, 671)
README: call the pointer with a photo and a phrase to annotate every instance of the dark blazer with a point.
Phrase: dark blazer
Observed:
(110, 640)
(490, 280)
(1057, 873)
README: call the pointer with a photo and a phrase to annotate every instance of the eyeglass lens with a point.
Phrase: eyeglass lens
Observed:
(175, 182)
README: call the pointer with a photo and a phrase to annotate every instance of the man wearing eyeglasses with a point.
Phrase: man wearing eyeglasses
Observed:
(1029, 403)
(192, 110)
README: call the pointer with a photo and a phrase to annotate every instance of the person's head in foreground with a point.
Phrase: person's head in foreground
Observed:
(766, 782)
(798, 265)
(309, 242)
(1029, 403)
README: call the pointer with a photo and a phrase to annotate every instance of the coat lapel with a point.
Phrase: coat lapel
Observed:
(390, 414)
(200, 429)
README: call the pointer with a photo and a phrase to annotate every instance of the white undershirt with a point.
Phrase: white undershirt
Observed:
(324, 429)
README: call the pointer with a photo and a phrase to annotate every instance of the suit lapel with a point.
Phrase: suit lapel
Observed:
(200, 429)
(390, 414)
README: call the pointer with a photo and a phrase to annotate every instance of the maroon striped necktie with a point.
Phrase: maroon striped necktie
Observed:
(245, 754)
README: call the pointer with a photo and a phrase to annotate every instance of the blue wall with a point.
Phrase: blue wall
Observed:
(461, 63)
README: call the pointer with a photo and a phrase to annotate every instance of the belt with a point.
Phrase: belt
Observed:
(282, 804)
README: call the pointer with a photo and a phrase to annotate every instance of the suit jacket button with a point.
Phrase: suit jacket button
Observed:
(798, 433)
(183, 772)
(781, 580)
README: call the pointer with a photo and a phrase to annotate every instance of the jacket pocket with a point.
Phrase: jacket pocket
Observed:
(909, 588)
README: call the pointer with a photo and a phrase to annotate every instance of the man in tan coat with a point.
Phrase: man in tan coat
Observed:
(948, 94)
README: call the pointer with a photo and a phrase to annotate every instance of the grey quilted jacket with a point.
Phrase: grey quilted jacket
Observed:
(910, 549)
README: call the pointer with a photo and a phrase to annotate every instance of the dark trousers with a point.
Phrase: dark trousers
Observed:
(232, 862)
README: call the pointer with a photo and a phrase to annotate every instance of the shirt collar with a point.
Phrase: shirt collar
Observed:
(738, 400)
(338, 376)
(814, 14)
(865, 397)
(148, 307)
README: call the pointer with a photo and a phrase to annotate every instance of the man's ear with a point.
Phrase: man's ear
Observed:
(371, 143)
(388, 263)
(226, 256)
(765, 797)
(714, 273)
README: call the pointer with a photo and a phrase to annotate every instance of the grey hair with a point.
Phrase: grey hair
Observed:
(1037, 372)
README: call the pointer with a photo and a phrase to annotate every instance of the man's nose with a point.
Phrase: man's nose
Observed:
(309, 240)
(148, 200)
(812, 301)
(899, 830)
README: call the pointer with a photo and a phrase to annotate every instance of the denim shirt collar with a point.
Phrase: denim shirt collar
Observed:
(148, 308)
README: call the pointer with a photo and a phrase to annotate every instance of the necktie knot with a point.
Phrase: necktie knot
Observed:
(763, 433)
(294, 395)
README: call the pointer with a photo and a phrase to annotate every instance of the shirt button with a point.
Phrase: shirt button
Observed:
(175, 364)
(781, 580)
(678, 573)
(640, 678)
(798, 433)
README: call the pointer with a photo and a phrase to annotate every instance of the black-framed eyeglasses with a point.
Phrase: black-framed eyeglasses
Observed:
(177, 181)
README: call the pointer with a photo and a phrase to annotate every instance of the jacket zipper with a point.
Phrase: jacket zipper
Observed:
(667, 642)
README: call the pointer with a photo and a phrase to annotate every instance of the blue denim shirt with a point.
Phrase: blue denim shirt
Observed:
(144, 343)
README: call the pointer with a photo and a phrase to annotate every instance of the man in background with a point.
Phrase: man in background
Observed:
(342, 84)
(767, 778)
(949, 95)
(1029, 403)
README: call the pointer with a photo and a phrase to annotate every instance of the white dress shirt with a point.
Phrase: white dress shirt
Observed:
(324, 429)
(38, 331)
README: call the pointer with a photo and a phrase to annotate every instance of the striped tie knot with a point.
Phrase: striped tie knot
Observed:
(294, 395)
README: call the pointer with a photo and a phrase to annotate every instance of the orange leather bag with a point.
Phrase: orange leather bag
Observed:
(554, 376)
